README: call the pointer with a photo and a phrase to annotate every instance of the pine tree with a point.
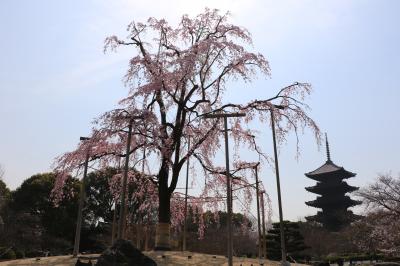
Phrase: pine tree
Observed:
(294, 241)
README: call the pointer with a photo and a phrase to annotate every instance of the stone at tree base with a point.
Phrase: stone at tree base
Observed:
(124, 253)
(162, 237)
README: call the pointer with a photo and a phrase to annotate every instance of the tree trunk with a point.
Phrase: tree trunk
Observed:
(164, 213)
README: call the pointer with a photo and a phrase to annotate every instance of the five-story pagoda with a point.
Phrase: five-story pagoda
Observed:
(333, 199)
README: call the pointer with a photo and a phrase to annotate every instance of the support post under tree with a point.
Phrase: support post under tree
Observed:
(278, 187)
(228, 179)
(122, 212)
(139, 225)
(186, 199)
(121, 222)
(82, 197)
(229, 193)
(114, 224)
(264, 241)
(258, 212)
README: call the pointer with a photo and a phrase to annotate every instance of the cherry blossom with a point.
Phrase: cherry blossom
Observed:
(176, 75)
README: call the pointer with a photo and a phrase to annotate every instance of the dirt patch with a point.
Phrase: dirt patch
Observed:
(48, 261)
(163, 258)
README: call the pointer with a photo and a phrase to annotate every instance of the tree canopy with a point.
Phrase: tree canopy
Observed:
(175, 76)
(34, 197)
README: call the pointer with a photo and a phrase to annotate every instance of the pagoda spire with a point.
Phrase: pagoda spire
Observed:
(328, 153)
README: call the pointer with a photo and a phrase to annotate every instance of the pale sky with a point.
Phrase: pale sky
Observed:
(55, 78)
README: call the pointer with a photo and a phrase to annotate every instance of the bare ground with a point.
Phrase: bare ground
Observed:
(163, 258)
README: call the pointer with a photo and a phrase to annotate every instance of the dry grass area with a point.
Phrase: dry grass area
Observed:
(57, 260)
(181, 259)
(163, 258)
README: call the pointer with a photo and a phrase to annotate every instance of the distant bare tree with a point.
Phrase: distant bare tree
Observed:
(381, 225)
(384, 194)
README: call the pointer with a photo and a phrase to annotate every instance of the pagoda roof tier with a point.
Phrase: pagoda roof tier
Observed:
(321, 217)
(322, 188)
(334, 203)
(329, 170)
(313, 218)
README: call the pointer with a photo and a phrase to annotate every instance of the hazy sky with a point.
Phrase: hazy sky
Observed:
(54, 79)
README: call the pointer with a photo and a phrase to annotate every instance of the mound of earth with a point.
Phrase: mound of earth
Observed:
(124, 253)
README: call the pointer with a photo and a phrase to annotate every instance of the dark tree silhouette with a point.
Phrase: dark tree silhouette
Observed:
(294, 241)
